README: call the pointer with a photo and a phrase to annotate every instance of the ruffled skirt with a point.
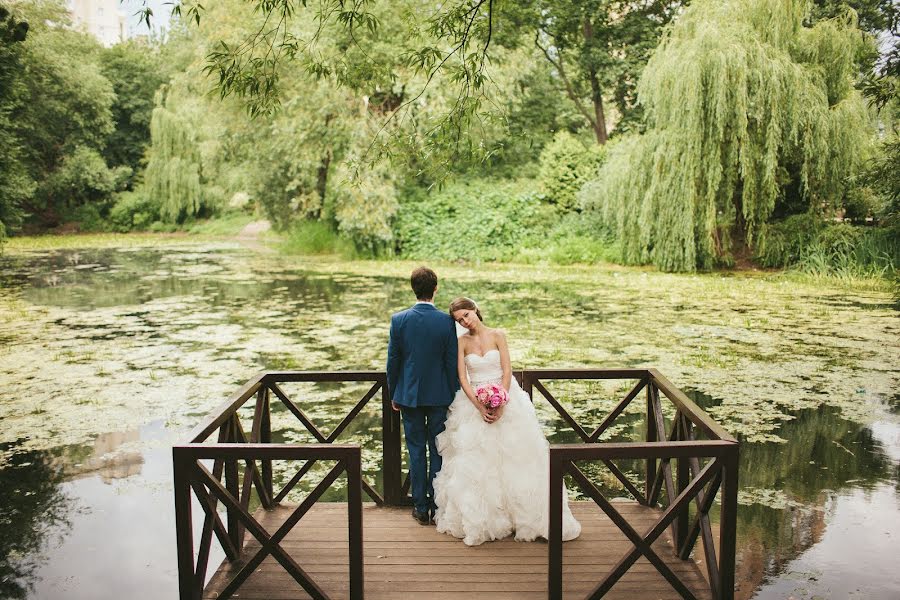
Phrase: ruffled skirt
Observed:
(494, 478)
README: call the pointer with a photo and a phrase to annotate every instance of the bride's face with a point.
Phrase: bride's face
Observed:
(466, 317)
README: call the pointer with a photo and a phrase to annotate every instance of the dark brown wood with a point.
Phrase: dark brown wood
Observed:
(683, 476)
(689, 409)
(219, 416)
(612, 416)
(321, 376)
(355, 558)
(187, 586)
(728, 525)
(269, 544)
(562, 411)
(665, 463)
(304, 469)
(554, 529)
(632, 489)
(499, 577)
(352, 414)
(251, 475)
(642, 544)
(426, 565)
(301, 416)
(231, 484)
(587, 374)
(265, 437)
(613, 450)
(391, 462)
(701, 525)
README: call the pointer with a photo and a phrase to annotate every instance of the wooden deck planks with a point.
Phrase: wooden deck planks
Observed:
(407, 560)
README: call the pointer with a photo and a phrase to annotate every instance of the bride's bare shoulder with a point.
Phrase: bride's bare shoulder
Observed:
(499, 334)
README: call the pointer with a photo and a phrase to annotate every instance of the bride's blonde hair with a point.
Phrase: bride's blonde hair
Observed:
(463, 303)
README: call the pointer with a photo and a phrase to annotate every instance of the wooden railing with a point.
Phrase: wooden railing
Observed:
(694, 480)
(235, 446)
(253, 448)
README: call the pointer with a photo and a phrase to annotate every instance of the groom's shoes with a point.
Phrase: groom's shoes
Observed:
(420, 517)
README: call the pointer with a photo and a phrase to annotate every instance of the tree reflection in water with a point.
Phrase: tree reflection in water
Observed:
(32, 507)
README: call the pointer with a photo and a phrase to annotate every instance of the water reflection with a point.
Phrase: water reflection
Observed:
(32, 505)
(798, 498)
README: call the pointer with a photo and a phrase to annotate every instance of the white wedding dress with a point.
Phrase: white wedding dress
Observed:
(494, 478)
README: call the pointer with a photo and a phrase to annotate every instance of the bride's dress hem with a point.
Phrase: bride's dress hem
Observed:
(494, 480)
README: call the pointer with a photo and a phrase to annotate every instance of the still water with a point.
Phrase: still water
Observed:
(109, 356)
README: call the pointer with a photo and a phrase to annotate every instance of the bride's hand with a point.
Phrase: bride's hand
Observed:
(498, 412)
(486, 415)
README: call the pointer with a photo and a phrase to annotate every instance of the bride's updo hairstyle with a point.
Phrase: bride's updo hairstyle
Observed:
(463, 303)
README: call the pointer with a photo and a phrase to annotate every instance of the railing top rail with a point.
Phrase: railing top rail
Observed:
(221, 413)
(268, 451)
(609, 450)
(696, 414)
(324, 376)
(587, 373)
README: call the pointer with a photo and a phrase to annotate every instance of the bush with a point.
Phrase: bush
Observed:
(565, 165)
(479, 220)
(133, 210)
(89, 218)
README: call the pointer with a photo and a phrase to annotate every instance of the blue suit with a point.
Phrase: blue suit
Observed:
(422, 380)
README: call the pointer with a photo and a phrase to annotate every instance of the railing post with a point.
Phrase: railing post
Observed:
(728, 525)
(355, 524)
(187, 585)
(390, 449)
(554, 529)
(684, 479)
(265, 435)
(650, 475)
(233, 486)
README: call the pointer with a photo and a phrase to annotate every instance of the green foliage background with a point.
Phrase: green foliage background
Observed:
(687, 135)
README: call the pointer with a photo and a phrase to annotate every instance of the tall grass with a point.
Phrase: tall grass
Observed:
(315, 237)
(806, 244)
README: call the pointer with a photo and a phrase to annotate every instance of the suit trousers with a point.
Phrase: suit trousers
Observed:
(421, 425)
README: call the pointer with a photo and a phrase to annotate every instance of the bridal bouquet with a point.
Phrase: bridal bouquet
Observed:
(492, 395)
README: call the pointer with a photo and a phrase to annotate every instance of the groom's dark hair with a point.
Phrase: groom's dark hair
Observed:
(424, 282)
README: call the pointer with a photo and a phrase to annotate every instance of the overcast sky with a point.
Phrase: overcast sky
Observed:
(159, 21)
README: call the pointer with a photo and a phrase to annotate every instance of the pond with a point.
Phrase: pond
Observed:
(109, 356)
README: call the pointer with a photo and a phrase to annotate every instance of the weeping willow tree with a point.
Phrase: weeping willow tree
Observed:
(172, 178)
(743, 105)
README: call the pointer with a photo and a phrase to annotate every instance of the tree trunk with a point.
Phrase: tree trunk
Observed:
(596, 95)
(322, 176)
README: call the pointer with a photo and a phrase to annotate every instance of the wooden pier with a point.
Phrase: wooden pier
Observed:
(656, 544)
(406, 560)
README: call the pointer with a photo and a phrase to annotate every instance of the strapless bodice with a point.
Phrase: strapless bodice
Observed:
(484, 369)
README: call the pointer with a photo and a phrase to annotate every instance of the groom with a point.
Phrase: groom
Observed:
(422, 379)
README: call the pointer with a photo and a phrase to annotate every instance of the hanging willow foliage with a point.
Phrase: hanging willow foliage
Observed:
(738, 96)
(172, 178)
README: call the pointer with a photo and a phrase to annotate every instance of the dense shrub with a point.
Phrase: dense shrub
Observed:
(480, 220)
(566, 164)
(133, 210)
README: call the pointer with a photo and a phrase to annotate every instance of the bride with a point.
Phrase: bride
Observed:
(495, 473)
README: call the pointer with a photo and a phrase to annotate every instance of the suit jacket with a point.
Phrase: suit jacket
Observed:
(421, 362)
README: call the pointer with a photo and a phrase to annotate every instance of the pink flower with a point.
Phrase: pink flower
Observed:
(492, 395)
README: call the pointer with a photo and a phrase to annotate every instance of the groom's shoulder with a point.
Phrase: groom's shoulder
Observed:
(399, 315)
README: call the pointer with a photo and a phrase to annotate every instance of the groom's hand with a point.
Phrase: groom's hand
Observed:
(395, 406)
